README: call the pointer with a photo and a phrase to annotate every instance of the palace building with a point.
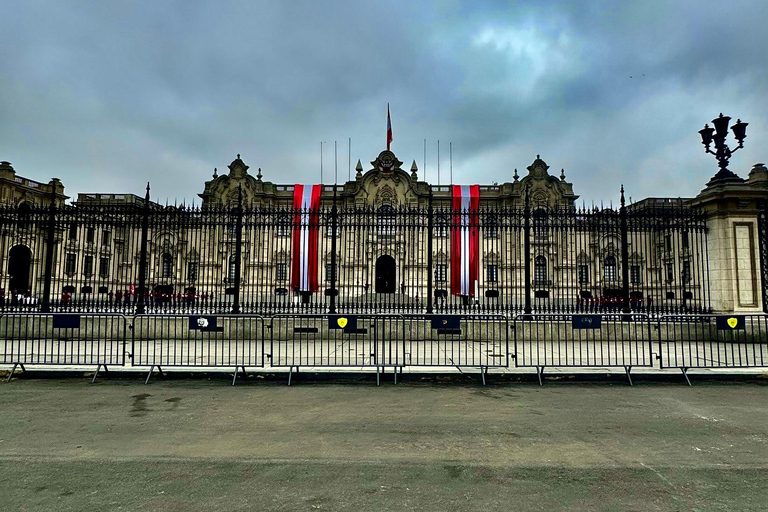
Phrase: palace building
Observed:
(387, 241)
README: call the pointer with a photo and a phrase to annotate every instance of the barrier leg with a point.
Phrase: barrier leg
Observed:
(628, 369)
(15, 365)
(97, 373)
(146, 381)
(685, 374)
(540, 372)
(237, 370)
(482, 373)
(378, 381)
(290, 374)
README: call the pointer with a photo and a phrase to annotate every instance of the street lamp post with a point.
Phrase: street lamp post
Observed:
(722, 151)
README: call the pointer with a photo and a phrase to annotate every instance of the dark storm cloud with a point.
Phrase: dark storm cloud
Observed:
(109, 95)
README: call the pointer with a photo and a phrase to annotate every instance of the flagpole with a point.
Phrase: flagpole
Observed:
(321, 163)
(349, 161)
(335, 165)
(450, 152)
(438, 162)
(425, 159)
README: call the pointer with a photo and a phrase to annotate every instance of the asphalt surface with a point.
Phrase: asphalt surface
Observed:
(431, 444)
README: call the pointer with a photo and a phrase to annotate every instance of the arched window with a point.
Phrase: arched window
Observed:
(167, 270)
(386, 220)
(540, 271)
(232, 273)
(610, 268)
(24, 214)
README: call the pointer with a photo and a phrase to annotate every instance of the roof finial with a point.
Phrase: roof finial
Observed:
(215, 173)
(258, 176)
(562, 174)
(414, 169)
(238, 156)
(516, 176)
(359, 169)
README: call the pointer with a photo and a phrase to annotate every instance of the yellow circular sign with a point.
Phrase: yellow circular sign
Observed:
(342, 322)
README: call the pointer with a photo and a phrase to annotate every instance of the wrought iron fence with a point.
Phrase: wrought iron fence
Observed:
(138, 258)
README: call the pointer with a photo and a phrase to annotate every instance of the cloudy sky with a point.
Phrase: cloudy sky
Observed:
(109, 95)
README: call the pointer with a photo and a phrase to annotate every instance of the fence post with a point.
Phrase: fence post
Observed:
(46, 305)
(624, 255)
(430, 227)
(139, 296)
(527, 237)
(238, 248)
(334, 227)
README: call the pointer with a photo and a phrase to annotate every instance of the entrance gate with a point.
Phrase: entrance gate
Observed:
(19, 266)
(385, 274)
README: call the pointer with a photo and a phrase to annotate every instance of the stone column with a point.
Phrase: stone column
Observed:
(733, 242)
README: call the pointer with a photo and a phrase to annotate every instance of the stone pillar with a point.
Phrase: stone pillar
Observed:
(733, 242)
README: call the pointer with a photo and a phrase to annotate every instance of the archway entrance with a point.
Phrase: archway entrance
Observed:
(19, 265)
(385, 274)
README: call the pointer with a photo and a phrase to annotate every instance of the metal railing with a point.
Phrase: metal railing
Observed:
(583, 340)
(92, 339)
(380, 341)
(712, 341)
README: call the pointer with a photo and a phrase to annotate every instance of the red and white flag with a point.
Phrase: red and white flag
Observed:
(465, 243)
(389, 129)
(306, 202)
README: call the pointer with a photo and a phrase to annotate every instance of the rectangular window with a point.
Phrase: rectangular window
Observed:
(69, 265)
(491, 227)
(90, 235)
(328, 270)
(104, 267)
(583, 274)
(670, 272)
(668, 242)
(684, 239)
(441, 273)
(232, 268)
(88, 266)
(441, 226)
(281, 272)
(493, 273)
(634, 274)
(106, 238)
(191, 271)
(73, 231)
(686, 271)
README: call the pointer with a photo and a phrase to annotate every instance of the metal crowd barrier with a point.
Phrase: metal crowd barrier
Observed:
(63, 339)
(462, 340)
(576, 341)
(343, 340)
(198, 341)
(712, 341)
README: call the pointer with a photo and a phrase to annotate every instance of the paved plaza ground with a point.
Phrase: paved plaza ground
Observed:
(429, 443)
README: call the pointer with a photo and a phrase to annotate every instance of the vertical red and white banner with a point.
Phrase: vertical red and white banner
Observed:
(306, 203)
(465, 243)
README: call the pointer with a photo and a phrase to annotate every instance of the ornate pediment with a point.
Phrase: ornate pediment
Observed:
(386, 163)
